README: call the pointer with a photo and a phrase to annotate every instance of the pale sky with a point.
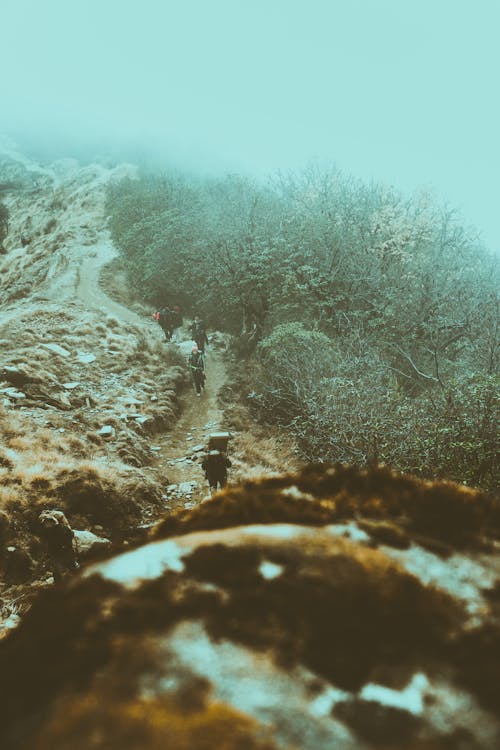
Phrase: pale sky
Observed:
(402, 91)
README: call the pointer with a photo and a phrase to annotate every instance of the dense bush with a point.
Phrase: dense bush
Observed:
(377, 315)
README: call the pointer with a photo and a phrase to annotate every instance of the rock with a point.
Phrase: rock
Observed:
(16, 395)
(186, 488)
(57, 349)
(11, 622)
(107, 431)
(13, 393)
(63, 399)
(16, 376)
(86, 542)
(85, 358)
(246, 623)
(42, 393)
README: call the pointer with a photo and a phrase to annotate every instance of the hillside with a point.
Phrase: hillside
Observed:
(303, 607)
(97, 413)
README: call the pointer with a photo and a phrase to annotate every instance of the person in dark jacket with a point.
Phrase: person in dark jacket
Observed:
(166, 320)
(215, 465)
(58, 537)
(199, 333)
(197, 367)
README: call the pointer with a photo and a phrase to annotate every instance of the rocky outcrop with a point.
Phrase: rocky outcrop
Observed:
(286, 613)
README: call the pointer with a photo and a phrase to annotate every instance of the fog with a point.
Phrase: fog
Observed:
(398, 91)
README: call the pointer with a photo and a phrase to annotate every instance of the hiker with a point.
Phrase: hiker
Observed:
(58, 537)
(197, 367)
(215, 465)
(166, 320)
(199, 333)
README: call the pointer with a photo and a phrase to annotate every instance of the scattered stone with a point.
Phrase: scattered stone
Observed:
(6, 402)
(198, 448)
(142, 420)
(172, 487)
(154, 398)
(61, 429)
(155, 448)
(131, 401)
(107, 431)
(186, 488)
(13, 393)
(70, 386)
(57, 349)
(11, 622)
(87, 542)
(85, 358)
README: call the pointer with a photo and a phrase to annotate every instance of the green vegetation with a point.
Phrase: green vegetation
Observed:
(369, 321)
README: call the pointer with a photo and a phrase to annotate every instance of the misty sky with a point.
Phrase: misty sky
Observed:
(402, 91)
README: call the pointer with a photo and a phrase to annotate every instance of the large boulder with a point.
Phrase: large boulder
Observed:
(268, 618)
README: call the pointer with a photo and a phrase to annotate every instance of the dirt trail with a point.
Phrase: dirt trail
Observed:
(88, 289)
(200, 415)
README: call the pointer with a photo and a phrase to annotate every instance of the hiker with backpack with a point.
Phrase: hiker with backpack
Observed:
(197, 366)
(215, 465)
(166, 320)
(199, 333)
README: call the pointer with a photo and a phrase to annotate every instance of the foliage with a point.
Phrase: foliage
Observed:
(377, 314)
